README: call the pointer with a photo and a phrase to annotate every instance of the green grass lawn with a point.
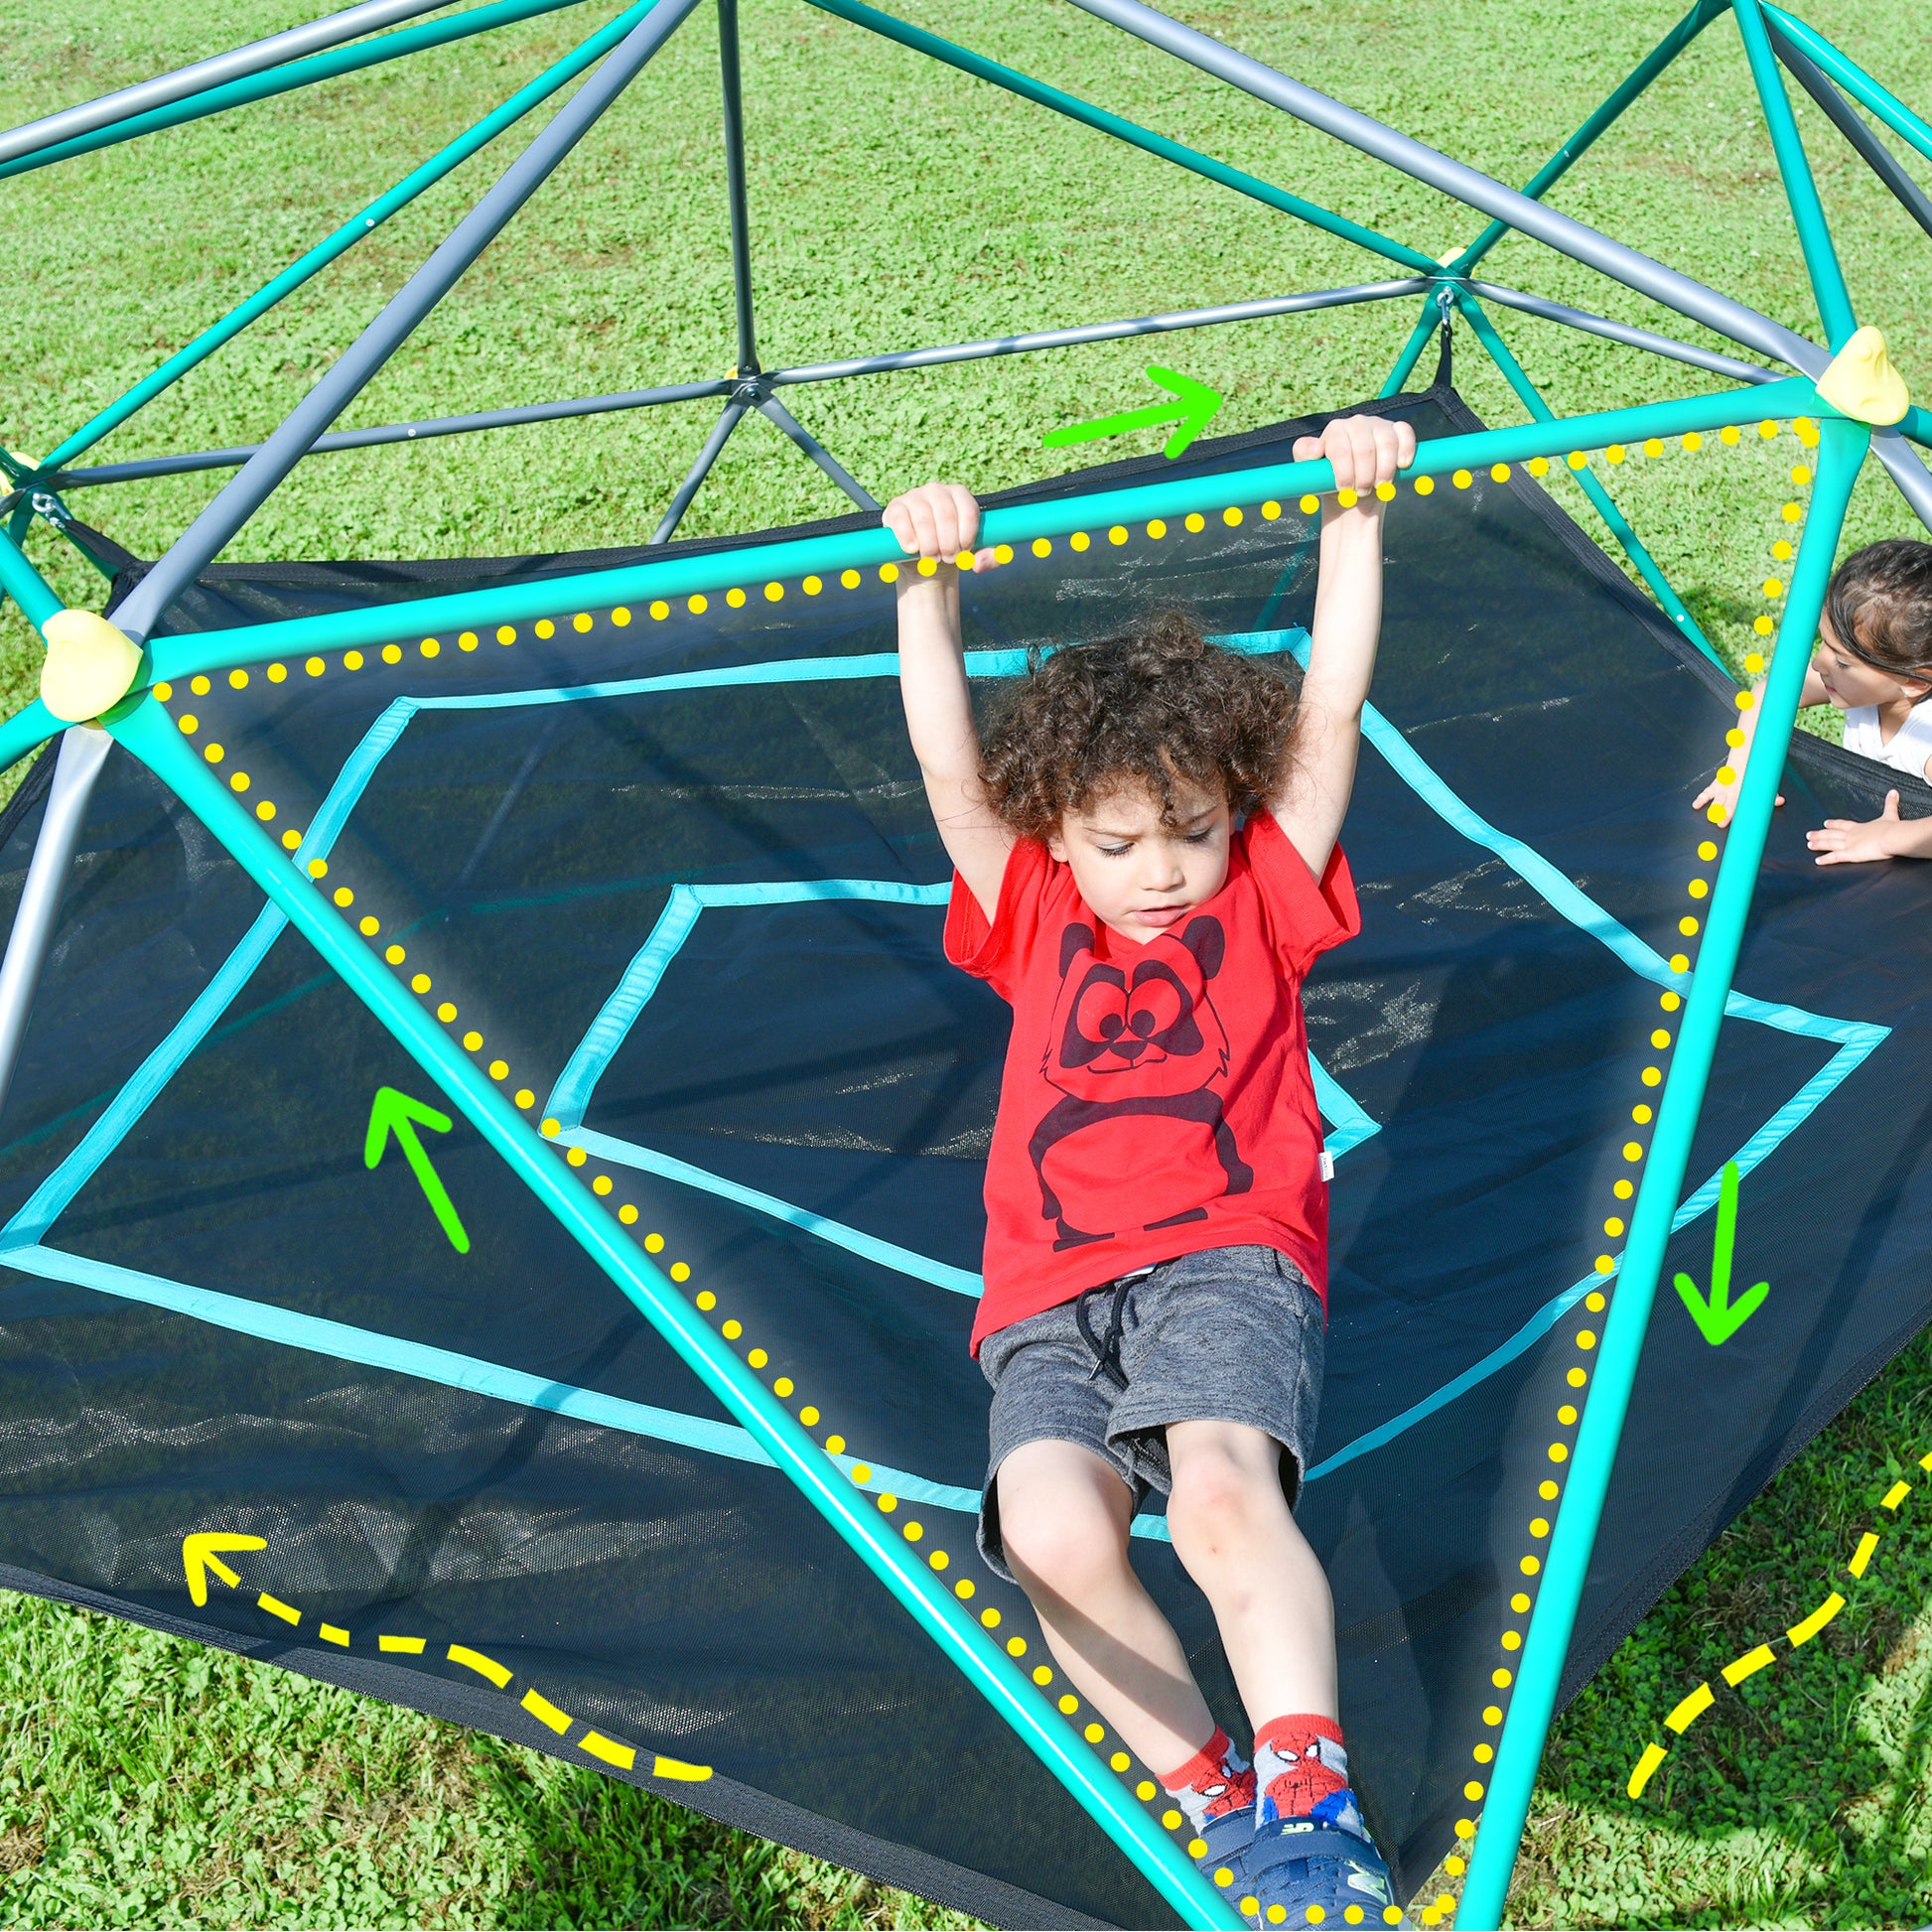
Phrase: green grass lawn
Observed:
(896, 205)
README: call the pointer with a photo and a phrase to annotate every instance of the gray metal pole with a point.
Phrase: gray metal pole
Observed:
(1903, 465)
(1560, 232)
(331, 30)
(211, 531)
(1623, 331)
(819, 453)
(748, 346)
(83, 749)
(1099, 331)
(672, 518)
(1842, 117)
(140, 467)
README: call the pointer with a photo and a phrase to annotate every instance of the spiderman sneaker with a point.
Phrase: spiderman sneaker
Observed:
(1319, 1870)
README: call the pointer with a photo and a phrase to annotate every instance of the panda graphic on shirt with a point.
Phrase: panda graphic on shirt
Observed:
(1138, 1138)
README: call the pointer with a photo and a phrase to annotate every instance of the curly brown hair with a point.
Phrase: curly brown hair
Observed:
(1157, 706)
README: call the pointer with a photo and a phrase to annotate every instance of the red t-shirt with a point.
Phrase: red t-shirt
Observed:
(1201, 1130)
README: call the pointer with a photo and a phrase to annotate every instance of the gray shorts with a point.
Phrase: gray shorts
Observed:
(1230, 1334)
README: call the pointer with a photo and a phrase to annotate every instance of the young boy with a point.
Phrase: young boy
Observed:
(1146, 868)
(1873, 661)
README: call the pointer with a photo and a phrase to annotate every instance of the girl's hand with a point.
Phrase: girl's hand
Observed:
(1364, 452)
(1852, 842)
(1725, 796)
(937, 521)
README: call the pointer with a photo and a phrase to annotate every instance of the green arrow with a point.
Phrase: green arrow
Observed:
(1195, 407)
(1719, 1318)
(396, 1113)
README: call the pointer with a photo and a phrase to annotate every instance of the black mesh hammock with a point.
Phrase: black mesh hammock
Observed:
(675, 875)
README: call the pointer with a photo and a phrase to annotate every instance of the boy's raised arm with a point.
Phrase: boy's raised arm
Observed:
(1313, 796)
(939, 522)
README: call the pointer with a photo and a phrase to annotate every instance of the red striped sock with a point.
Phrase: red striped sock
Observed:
(1213, 1783)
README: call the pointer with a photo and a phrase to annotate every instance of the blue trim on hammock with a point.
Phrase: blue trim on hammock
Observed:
(21, 1238)
(570, 1098)
(288, 1328)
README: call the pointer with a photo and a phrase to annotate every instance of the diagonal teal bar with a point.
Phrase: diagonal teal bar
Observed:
(24, 584)
(284, 79)
(1412, 350)
(1620, 1352)
(1800, 188)
(147, 732)
(1867, 93)
(346, 238)
(1572, 150)
(26, 731)
(1600, 498)
(1133, 135)
(683, 576)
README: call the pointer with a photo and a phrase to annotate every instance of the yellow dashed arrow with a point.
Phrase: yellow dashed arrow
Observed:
(197, 1558)
(1800, 1633)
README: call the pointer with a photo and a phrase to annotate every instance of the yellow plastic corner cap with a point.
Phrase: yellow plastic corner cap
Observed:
(90, 666)
(1862, 382)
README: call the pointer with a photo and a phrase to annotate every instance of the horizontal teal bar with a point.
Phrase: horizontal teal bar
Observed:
(675, 576)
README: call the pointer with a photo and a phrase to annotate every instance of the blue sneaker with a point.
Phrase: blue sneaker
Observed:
(1321, 1870)
(1221, 1848)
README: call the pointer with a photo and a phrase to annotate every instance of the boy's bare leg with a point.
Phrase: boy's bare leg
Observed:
(1065, 1518)
(1234, 1530)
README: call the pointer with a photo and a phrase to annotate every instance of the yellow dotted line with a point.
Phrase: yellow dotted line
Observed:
(602, 1184)
(1772, 589)
(774, 591)
(1067, 1703)
(965, 1589)
(1750, 1662)
(388, 1643)
(1641, 1115)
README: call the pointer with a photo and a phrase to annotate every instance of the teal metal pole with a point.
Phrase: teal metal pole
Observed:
(1412, 350)
(1559, 164)
(1599, 497)
(1533, 1702)
(283, 79)
(24, 584)
(1800, 188)
(147, 731)
(1079, 111)
(1867, 93)
(346, 238)
(27, 731)
(684, 576)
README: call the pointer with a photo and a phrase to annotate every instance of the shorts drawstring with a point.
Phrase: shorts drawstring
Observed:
(1106, 1354)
